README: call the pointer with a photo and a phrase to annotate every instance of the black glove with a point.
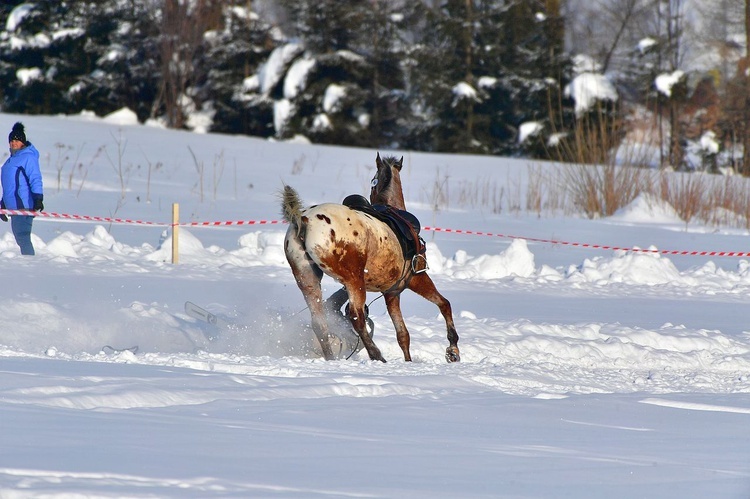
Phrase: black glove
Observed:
(38, 204)
(2, 215)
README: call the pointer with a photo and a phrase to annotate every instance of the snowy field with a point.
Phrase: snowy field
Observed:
(585, 373)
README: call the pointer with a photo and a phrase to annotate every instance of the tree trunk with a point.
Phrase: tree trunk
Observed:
(468, 43)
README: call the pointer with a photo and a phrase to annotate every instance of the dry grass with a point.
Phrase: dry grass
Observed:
(599, 191)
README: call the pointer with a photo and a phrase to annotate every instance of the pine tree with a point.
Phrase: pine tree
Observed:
(123, 69)
(236, 52)
(351, 69)
(38, 57)
(87, 54)
(481, 69)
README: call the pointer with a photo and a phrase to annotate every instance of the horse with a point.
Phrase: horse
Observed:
(364, 254)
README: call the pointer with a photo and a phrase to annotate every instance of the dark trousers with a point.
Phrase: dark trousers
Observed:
(21, 226)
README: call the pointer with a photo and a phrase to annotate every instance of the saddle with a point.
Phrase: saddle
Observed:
(405, 225)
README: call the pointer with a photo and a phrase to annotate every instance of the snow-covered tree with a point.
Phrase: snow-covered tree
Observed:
(344, 83)
(122, 47)
(64, 57)
(483, 68)
(41, 52)
(236, 52)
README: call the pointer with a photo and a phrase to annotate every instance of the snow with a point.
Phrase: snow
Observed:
(17, 15)
(665, 81)
(27, 75)
(321, 123)
(463, 90)
(585, 372)
(65, 33)
(709, 143)
(273, 70)
(486, 81)
(647, 209)
(282, 109)
(587, 89)
(645, 44)
(528, 129)
(332, 98)
(123, 117)
(296, 78)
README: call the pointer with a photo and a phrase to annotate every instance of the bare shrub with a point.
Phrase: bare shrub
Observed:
(151, 168)
(514, 195)
(685, 193)
(218, 172)
(593, 139)
(60, 160)
(602, 190)
(200, 169)
(546, 192)
(481, 193)
(535, 190)
(727, 202)
(439, 196)
(121, 170)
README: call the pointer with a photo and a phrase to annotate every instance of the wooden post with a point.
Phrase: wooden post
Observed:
(175, 233)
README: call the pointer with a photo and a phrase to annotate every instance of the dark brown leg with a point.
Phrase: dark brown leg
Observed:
(422, 285)
(393, 303)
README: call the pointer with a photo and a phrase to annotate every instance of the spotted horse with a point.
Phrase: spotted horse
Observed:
(357, 248)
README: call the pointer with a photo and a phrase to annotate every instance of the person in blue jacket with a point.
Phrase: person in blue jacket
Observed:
(22, 186)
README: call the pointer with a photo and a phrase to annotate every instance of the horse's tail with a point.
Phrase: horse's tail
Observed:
(291, 206)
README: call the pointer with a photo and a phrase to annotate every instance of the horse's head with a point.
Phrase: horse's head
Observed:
(386, 184)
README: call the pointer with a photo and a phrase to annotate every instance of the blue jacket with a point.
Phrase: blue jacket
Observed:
(21, 179)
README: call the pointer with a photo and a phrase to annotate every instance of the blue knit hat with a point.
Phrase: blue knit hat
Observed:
(17, 133)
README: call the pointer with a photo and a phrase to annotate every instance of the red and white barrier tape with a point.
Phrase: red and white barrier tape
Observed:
(594, 246)
(240, 222)
(86, 218)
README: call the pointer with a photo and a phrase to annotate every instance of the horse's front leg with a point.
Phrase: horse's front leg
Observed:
(393, 303)
(358, 318)
(422, 285)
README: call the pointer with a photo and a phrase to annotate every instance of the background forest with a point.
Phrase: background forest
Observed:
(659, 83)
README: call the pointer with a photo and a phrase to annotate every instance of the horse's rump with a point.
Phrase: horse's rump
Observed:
(342, 242)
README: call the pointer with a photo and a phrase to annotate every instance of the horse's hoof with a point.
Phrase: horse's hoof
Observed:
(377, 356)
(452, 355)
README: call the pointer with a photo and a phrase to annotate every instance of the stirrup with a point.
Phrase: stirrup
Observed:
(415, 260)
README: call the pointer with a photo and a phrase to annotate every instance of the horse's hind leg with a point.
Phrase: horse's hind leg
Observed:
(393, 303)
(308, 276)
(422, 285)
(358, 317)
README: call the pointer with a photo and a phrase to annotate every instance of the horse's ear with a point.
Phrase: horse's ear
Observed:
(378, 161)
(400, 164)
